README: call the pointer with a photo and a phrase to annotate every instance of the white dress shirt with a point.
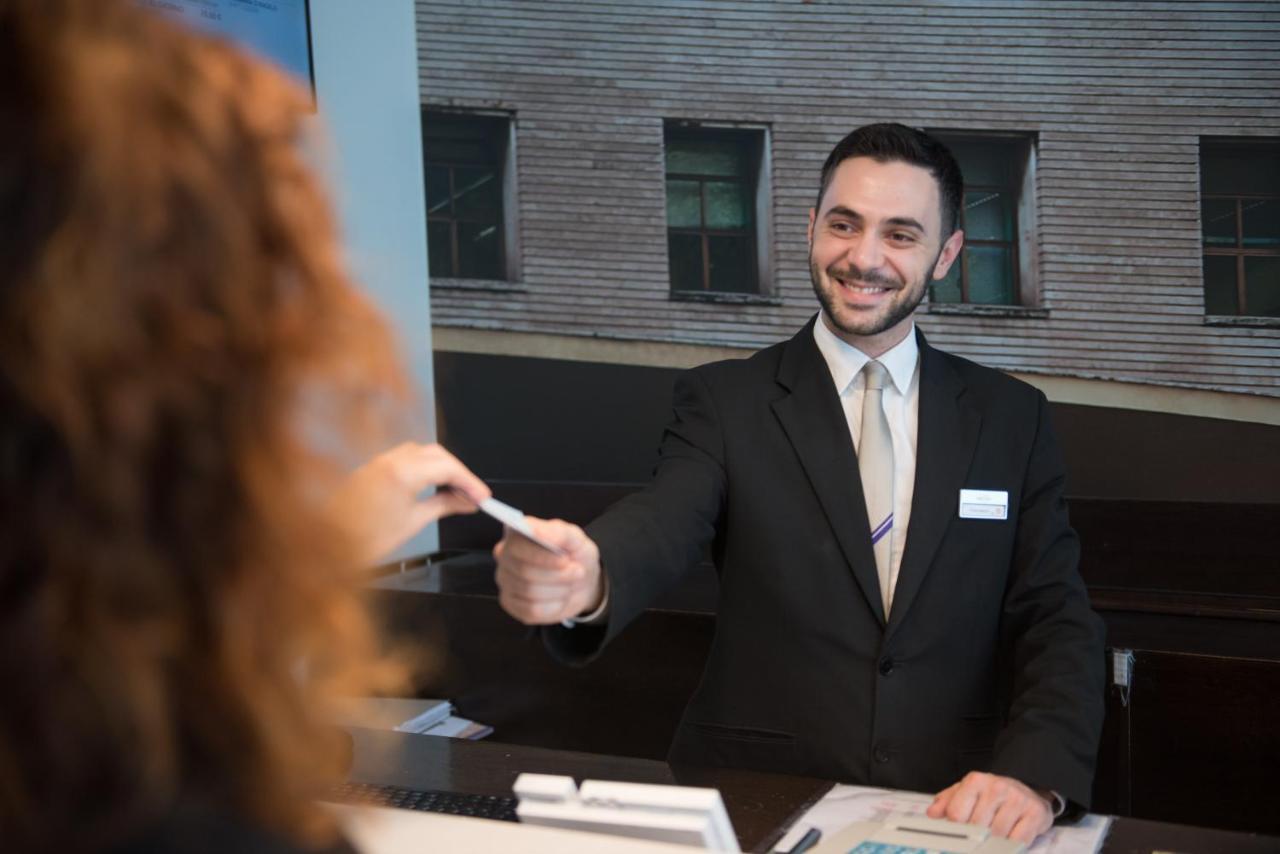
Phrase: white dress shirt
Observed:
(901, 401)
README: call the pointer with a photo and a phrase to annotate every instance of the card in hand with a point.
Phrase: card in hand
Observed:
(514, 519)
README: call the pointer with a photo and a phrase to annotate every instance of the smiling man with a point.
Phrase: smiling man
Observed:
(870, 264)
(900, 603)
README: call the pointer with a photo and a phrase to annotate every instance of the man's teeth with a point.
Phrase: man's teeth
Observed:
(861, 290)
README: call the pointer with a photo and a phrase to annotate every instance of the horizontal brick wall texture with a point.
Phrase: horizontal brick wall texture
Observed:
(1117, 93)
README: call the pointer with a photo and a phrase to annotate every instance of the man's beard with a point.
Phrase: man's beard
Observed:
(897, 311)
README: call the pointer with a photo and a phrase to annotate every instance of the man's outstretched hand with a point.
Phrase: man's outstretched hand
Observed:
(1008, 807)
(538, 587)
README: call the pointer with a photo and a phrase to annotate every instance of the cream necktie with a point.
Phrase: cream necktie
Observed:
(875, 466)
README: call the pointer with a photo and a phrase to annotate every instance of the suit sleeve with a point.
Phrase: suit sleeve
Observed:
(1056, 707)
(651, 538)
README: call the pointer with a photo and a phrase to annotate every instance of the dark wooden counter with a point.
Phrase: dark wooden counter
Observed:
(761, 806)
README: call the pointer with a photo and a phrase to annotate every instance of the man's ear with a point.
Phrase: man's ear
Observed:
(813, 217)
(950, 252)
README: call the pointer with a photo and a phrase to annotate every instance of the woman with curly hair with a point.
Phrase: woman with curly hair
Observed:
(186, 373)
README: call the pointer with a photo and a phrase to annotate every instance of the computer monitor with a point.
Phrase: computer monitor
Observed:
(277, 30)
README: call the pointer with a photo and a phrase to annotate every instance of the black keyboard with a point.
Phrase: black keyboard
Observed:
(454, 803)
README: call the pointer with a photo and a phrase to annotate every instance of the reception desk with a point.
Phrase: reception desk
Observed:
(761, 806)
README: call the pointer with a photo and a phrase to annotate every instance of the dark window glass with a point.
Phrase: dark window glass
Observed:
(1260, 223)
(685, 257)
(439, 247)
(1240, 226)
(684, 204)
(1262, 286)
(1220, 285)
(986, 273)
(946, 289)
(711, 193)
(731, 262)
(479, 250)
(727, 205)
(709, 152)
(464, 162)
(990, 272)
(988, 216)
(1220, 222)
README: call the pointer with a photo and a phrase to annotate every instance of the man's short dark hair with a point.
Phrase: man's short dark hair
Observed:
(890, 142)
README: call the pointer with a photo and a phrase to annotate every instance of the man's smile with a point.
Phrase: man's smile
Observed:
(858, 286)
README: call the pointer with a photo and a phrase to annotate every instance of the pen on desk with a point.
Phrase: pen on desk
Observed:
(807, 841)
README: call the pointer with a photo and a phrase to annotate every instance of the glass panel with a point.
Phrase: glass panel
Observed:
(439, 249)
(453, 138)
(1220, 285)
(477, 194)
(1219, 222)
(1262, 287)
(990, 275)
(437, 188)
(988, 161)
(987, 216)
(684, 204)
(733, 263)
(1240, 169)
(479, 251)
(684, 254)
(948, 289)
(458, 151)
(1261, 222)
(715, 156)
(727, 205)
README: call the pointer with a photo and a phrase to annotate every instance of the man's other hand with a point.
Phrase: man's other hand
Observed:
(538, 587)
(1008, 807)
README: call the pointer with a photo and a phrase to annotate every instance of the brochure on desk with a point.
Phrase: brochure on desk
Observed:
(419, 716)
(844, 805)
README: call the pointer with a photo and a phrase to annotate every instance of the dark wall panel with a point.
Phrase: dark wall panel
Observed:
(523, 419)
(520, 419)
(1156, 456)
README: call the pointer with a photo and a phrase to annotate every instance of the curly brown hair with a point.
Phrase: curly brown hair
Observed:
(184, 369)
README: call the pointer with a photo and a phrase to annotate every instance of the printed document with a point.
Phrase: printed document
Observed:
(844, 805)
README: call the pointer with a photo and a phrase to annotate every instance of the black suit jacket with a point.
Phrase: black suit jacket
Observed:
(991, 657)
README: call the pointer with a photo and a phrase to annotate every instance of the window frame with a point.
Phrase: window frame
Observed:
(1223, 146)
(754, 142)
(503, 141)
(1023, 245)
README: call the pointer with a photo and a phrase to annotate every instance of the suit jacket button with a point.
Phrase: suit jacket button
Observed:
(881, 755)
(886, 666)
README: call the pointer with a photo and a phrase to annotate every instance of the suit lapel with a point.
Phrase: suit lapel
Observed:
(947, 436)
(815, 424)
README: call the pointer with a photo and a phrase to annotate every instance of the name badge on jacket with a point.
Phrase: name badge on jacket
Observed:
(984, 504)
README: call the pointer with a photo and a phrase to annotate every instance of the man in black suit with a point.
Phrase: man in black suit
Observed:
(900, 603)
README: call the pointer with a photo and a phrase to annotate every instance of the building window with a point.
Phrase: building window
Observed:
(468, 162)
(997, 217)
(717, 209)
(1240, 224)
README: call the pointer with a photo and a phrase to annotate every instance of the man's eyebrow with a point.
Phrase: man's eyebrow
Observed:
(906, 222)
(841, 210)
(896, 221)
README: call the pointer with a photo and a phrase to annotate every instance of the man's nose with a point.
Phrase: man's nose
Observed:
(865, 253)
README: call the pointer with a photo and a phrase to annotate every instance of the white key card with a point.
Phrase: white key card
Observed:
(514, 519)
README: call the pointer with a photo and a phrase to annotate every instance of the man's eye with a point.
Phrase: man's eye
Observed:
(842, 227)
(902, 237)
